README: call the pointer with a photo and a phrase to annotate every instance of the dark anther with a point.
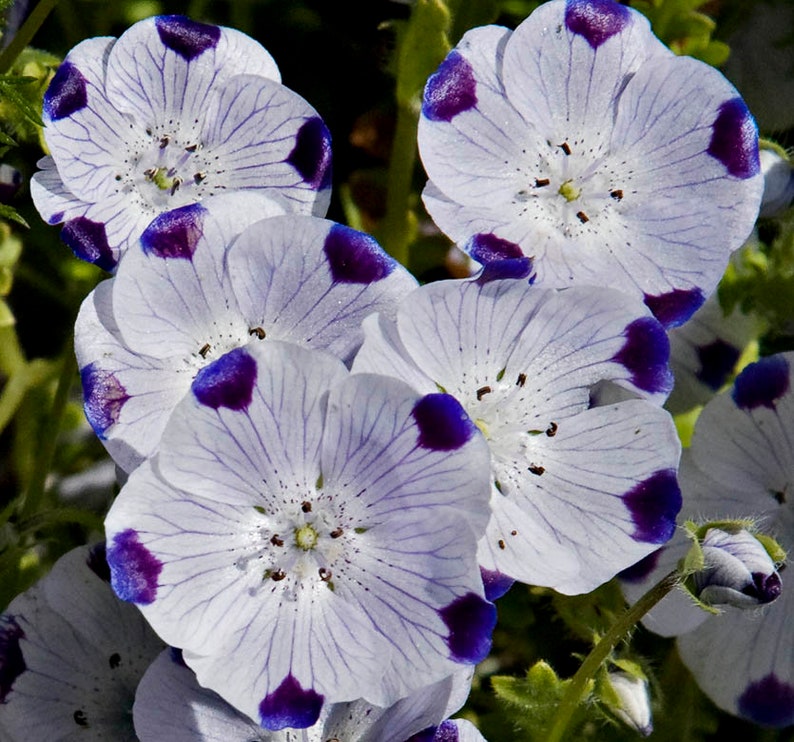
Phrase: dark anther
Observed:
(582, 217)
(175, 183)
(198, 177)
(278, 575)
(114, 660)
(551, 431)
(502, 544)
(780, 496)
(204, 350)
(336, 533)
(191, 148)
(118, 177)
(521, 380)
(258, 331)
(540, 182)
(276, 541)
(325, 574)
(306, 506)
(164, 140)
(150, 173)
(514, 533)
(536, 469)
(482, 391)
(80, 718)
(616, 194)
(565, 148)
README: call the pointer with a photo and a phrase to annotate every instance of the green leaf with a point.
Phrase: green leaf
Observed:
(10, 213)
(10, 93)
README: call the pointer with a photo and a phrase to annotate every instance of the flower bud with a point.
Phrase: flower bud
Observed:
(778, 182)
(634, 704)
(737, 570)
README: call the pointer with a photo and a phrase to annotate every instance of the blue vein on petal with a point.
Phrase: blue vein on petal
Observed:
(596, 20)
(355, 257)
(654, 504)
(175, 234)
(443, 423)
(762, 383)
(12, 663)
(227, 382)
(88, 240)
(675, 307)
(103, 397)
(471, 621)
(717, 360)
(734, 139)
(134, 570)
(645, 354)
(290, 705)
(187, 38)
(311, 155)
(768, 702)
(66, 94)
(451, 90)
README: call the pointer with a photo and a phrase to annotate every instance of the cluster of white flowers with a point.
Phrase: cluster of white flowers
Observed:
(330, 472)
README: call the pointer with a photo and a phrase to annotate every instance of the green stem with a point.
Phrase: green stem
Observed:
(602, 650)
(25, 34)
(31, 501)
(30, 375)
(396, 228)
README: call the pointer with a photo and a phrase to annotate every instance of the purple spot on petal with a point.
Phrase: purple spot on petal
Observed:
(717, 360)
(596, 20)
(645, 355)
(451, 90)
(56, 218)
(675, 307)
(311, 156)
(133, 568)
(443, 423)
(765, 587)
(761, 383)
(513, 268)
(355, 257)
(187, 38)
(734, 139)
(12, 663)
(446, 732)
(639, 571)
(768, 702)
(290, 706)
(175, 234)
(97, 561)
(495, 583)
(487, 247)
(470, 620)
(89, 241)
(66, 93)
(103, 398)
(654, 504)
(227, 382)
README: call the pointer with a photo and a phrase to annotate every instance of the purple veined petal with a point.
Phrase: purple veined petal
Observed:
(227, 382)
(645, 355)
(307, 305)
(66, 93)
(734, 139)
(258, 129)
(451, 90)
(104, 397)
(134, 570)
(596, 21)
(189, 39)
(88, 240)
(175, 233)
(768, 702)
(495, 583)
(470, 620)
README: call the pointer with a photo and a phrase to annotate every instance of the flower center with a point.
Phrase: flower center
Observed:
(569, 191)
(306, 537)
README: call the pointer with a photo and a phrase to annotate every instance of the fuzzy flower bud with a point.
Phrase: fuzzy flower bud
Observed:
(778, 181)
(634, 704)
(737, 570)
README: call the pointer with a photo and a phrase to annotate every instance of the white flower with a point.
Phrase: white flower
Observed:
(171, 113)
(581, 140)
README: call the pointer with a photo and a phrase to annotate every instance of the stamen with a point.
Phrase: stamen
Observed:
(198, 177)
(306, 506)
(565, 148)
(191, 148)
(325, 574)
(150, 173)
(258, 331)
(279, 574)
(482, 391)
(204, 350)
(175, 183)
(164, 141)
(551, 431)
(537, 470)
(501, 544)
(582, 217)
(521, 380)
(616, 194)
(336, 533)
(276, 541)
(540, 182)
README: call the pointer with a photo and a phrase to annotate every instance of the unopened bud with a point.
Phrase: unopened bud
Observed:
(778, 181)
(633, 701)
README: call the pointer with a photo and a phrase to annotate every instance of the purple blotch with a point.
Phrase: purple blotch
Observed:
(717, 360)
(470, 620)
(675, 307)
(88, 240)
(227, 382)
(654, 504)
(446, 732)
(311, 156)
(734, 139)
(66, 93)
(450, 90)
(596, 20)
(133, 568)
(443, 423)
(516, 268)
(12, 663)
(765, 588)
(768, 702)
(355, 257)
(56, 218)
(187, 38)
(103, 398)
(645, 354)
(486, 247)
(97, 561)
(762, 383)
(290, 706)
(426, 735)
(175, 234)
(175, 654)
(495, 583)
(639, 571)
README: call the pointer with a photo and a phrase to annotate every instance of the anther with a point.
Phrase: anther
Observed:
(276, 541)
(175, 183)
(191, 148)
(150, 173)
(521, 380)
(501, 544)
(198, 177)
(616, 194)
(582, 217)
(565, 148)
(537, 470)
(540, 182)
(164, 140)
(258, 331)
(482, 391)
(551, 431)
(336, 533)
(204, 350)
(279, 574)
(306, 506)
(325, 574)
